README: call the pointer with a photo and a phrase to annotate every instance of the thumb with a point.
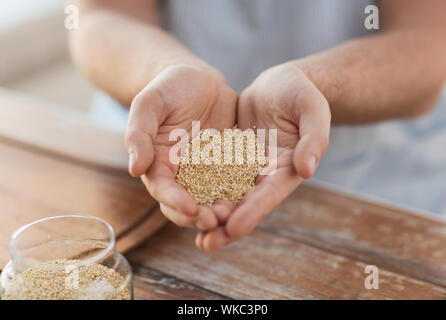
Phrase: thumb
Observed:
(314, 131)
(142, 128)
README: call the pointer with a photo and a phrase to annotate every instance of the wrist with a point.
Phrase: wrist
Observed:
(319, 74)
(195, 63)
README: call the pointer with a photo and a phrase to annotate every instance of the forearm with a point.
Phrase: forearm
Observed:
(390, 75)
(121, 53)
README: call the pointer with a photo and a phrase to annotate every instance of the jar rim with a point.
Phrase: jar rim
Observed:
(101, 254)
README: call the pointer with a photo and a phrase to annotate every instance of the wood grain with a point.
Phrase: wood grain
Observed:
(314, 246)
(34, 185)
(267, 266)
(398, 240)
(61, 130)
(154, 285)
(148, 226)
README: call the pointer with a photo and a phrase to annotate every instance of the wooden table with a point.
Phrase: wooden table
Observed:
(316, 245)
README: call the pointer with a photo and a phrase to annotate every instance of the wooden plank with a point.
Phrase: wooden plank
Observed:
(398, 240)
(60, 130)
(153, 285)
(267, 266)
(141, 231)
(34, 186)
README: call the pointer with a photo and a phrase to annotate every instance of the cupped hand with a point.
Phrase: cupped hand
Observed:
(176, 97)
(285, 99)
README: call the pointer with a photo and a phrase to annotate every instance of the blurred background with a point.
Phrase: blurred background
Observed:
(45, 100)
(42, 96)
(34, 55)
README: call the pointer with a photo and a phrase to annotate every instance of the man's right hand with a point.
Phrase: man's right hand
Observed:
(177, 96)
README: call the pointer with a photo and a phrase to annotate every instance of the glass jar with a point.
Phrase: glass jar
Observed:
(66, 257)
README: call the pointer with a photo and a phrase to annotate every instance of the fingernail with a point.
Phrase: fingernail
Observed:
(198, 241)
(132, 158)
(312, 163)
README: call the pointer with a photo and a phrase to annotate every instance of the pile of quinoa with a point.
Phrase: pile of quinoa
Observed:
(48, 281)
(209, 179)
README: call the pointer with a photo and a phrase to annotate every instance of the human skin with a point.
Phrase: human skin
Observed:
(122, 50)
(397, 73)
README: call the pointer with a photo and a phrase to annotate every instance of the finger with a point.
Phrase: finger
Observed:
(260, 201)
(215, 239)
(176, 217)
(160, 182)
(199, 239)
(222, 209)
(314, 129)
(145, 118)
(206, 219)
(245, 113)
